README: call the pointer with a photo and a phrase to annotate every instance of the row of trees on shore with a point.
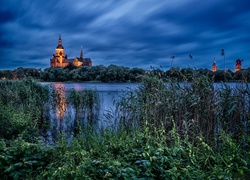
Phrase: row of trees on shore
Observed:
(114, 73)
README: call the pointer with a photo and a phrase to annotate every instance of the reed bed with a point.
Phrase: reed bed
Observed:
(195, 130)
(197, 108)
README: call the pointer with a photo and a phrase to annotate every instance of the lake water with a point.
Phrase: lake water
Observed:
(98, 86)
(108, 93)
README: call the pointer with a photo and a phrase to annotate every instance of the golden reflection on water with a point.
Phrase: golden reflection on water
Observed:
(60, 100)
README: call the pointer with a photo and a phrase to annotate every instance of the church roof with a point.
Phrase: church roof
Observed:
(84, 59)
(87, 59)
(238, 60)
(70, 60)
(59, 46)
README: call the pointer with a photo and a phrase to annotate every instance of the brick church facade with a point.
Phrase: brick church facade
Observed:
(59, 59)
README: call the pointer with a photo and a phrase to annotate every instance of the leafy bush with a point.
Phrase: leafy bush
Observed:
(144, 154)
(22, 159)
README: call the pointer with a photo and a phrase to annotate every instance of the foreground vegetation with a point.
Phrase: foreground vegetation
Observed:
(173, 131)
(113, 73)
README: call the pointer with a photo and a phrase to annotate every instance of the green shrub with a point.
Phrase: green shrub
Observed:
(22, 159)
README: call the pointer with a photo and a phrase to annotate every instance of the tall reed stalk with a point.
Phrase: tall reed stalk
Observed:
(25, 97)
(86, 105)
(196, 108)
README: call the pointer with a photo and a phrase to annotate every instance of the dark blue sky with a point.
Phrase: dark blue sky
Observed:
(136, 33)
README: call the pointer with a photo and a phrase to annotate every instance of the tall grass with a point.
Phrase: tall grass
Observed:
(197, 108)
(86, 105)
(73, 111)
(195, 130)
(28, 106)
(24, 103)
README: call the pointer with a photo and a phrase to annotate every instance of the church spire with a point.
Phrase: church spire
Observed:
(81, 54)
(59, 46)
(59, 40)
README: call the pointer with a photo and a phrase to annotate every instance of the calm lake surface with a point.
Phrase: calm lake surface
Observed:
(98, 86)
(108, 93)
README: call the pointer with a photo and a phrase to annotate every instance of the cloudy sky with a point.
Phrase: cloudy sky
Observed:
(131, 33)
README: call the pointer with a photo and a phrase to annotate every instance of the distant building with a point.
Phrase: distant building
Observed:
(61, 60)
(238, 64)
(214, 67)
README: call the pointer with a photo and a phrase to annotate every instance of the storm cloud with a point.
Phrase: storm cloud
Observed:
(134, 33)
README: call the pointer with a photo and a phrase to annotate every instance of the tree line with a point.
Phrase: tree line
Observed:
(114, 73)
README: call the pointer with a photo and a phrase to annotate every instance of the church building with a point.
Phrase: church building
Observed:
(238, 65)
(61, 60)
(214, 66)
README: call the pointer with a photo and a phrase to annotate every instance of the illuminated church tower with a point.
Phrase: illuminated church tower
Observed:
(238, 64)
(59, 59)
(214, 67)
